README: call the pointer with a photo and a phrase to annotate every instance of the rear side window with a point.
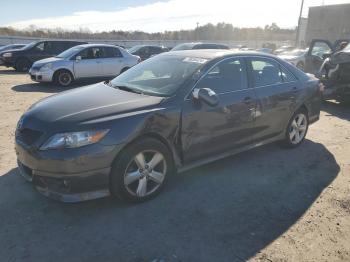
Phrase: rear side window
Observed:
(229, 75)
(111, 52)
(287, 76)
(265, 72)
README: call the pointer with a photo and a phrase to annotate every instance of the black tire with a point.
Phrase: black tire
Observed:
(291, 141)
(300, 65)
(63, 78)
(22, 65)
(125, 164)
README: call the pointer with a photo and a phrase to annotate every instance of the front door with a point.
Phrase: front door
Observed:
(90, 64)
(209, 130)
(315, 56)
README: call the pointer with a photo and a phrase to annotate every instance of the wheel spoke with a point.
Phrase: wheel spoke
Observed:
(297, 136)
(140, 160)
(157, 177)
(300, 120)
(292, 134)
(156, 159)
(294, 124)
(142, 187)
(302, 128)
(132, 177)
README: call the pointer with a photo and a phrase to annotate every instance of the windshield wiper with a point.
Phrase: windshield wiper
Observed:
(124, 88)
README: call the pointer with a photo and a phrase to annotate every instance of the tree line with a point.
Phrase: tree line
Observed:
(220, 31)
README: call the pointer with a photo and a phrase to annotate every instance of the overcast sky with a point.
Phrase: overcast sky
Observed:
(152, 15)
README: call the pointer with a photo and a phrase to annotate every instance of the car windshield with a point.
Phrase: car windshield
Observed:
(71, 51)
(159, 76)
(134, 48)
(29, 46)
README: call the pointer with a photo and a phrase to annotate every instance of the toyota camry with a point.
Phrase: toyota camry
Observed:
(175, 111)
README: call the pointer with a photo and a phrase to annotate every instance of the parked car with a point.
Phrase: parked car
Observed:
(190, 46)
(22, 59)
(172, 112)
(147, 51)
(283, 49)
(82, 62)
(10, 47)
(295, 57)
(332, 65)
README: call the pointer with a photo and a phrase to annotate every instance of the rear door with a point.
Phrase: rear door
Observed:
(276, 91)
(90, 64)
(208, 130)
(314, 57)
(113, 61)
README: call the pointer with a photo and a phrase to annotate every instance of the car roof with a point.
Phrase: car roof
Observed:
(96, 45)
(214, 53)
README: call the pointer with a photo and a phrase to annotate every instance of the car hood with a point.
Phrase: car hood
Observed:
(86, 104)
(47, 60)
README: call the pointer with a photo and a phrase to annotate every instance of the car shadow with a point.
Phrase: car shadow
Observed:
(225, 211)
(50, 88)
(340, 110)
(10, 72)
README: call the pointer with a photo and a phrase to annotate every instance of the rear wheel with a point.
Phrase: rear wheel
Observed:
(141, 170)
(22, 65)
(297, 129)
(63, 78)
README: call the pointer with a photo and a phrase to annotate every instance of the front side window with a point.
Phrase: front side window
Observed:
(40, 47)
(265, 72)
(92, 53)
(319, 49)
(227, 76)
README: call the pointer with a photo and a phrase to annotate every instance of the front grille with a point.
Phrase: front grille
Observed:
(28, 136)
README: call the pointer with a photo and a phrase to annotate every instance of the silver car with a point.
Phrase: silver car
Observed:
(83, 61)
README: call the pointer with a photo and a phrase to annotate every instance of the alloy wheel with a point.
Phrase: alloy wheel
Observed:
(145, 173)
(298, 129)
(64, 79)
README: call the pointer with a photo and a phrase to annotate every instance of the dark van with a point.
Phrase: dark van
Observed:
(23, 59)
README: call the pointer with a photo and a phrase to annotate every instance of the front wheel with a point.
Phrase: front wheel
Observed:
(140, 172)
(296, 129)
(63, 78)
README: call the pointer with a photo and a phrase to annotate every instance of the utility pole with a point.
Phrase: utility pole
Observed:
(197, 33)
(299, 22)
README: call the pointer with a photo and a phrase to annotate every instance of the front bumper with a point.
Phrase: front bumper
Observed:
(83, 175)
(41, 76)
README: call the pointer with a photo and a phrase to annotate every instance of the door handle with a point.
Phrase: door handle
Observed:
(248, 100)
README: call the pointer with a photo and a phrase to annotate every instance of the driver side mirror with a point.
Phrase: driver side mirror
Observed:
(78, 58)
(206, 95)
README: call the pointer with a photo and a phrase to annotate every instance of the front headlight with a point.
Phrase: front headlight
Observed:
(46, 67)
(74, 139)
(7, 55)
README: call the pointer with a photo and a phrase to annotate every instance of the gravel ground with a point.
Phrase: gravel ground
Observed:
(269, 204)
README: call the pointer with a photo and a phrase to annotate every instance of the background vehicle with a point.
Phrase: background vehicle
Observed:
(147, 51)
(283, 49)
(22, 59)
(295, 57)
(10, 47)
(83, 61)
(128, 135)
(332, 66)
(189, 46)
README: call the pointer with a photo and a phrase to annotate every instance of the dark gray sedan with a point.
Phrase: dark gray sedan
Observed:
(170, 113)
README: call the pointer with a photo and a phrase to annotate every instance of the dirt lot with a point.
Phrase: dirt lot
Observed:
(269, 204)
